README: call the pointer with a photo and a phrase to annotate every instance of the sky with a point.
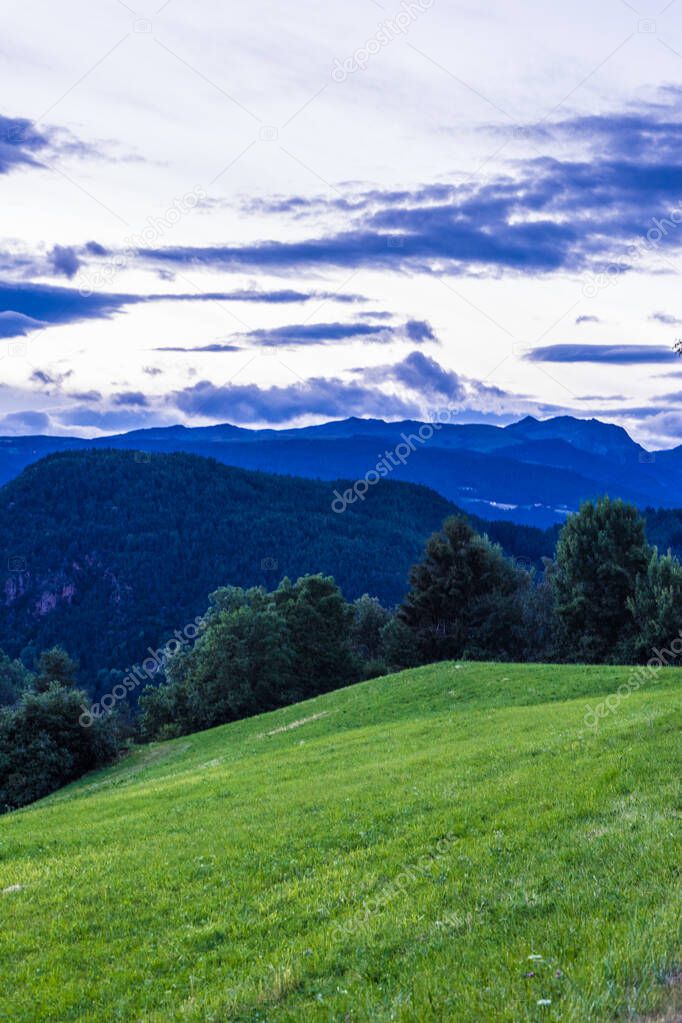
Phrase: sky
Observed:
(276, 215)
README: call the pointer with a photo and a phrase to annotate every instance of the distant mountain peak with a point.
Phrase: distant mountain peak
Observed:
(592, 435)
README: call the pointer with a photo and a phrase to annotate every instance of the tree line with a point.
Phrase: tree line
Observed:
(607, 596)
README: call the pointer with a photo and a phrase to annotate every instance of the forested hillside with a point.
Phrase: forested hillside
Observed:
(109, 552)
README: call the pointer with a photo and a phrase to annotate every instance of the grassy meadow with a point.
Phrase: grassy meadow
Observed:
(447, 844)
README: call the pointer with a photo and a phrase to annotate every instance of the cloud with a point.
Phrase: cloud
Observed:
(95, 249)
(666, 318)
(107, 420)
(417, 242)
(661, 429)
(65, 261)
(51, 305)
(215, 348)
(41, 376)
(20, 142)
(60, 261)
(27, 306)
(135, 398)
(289, 295)
(410, 388)
(14, 324)
(86, 396)
(20, 423)
(602, 397)
(419, 373)
(300, 334)
(648, 131)
(303, 334)
(417, 382)
(622, 355)
(319, 396)
(612, 202)
(430, 382)
(419, 331)
(24, 144)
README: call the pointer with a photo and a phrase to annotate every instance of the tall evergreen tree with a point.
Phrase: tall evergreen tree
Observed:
(601, 551)
(55, 665)
(465, 599)
(656, 608)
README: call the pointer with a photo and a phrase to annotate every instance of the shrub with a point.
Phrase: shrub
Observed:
(14, 679)
(43, 745)
(259, 651)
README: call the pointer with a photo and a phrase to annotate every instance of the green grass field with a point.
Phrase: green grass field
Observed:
(447, 844)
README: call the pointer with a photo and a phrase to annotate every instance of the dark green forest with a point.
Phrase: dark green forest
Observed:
(108, 552)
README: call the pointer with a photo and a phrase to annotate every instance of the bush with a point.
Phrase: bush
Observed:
(656, 609)
(318, 622)
(14, 679)
(258, 652)
(401, 647)
(43, 745)
(369, 619)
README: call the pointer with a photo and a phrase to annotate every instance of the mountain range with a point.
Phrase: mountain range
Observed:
(533, 471)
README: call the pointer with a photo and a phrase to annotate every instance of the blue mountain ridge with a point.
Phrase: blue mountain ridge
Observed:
(532, 472)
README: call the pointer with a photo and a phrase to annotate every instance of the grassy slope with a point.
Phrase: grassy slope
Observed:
(205, 879)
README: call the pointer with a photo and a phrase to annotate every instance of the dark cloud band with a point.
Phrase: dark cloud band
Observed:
(621, 355)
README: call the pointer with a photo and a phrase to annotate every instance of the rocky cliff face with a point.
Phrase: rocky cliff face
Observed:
(41, 595)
